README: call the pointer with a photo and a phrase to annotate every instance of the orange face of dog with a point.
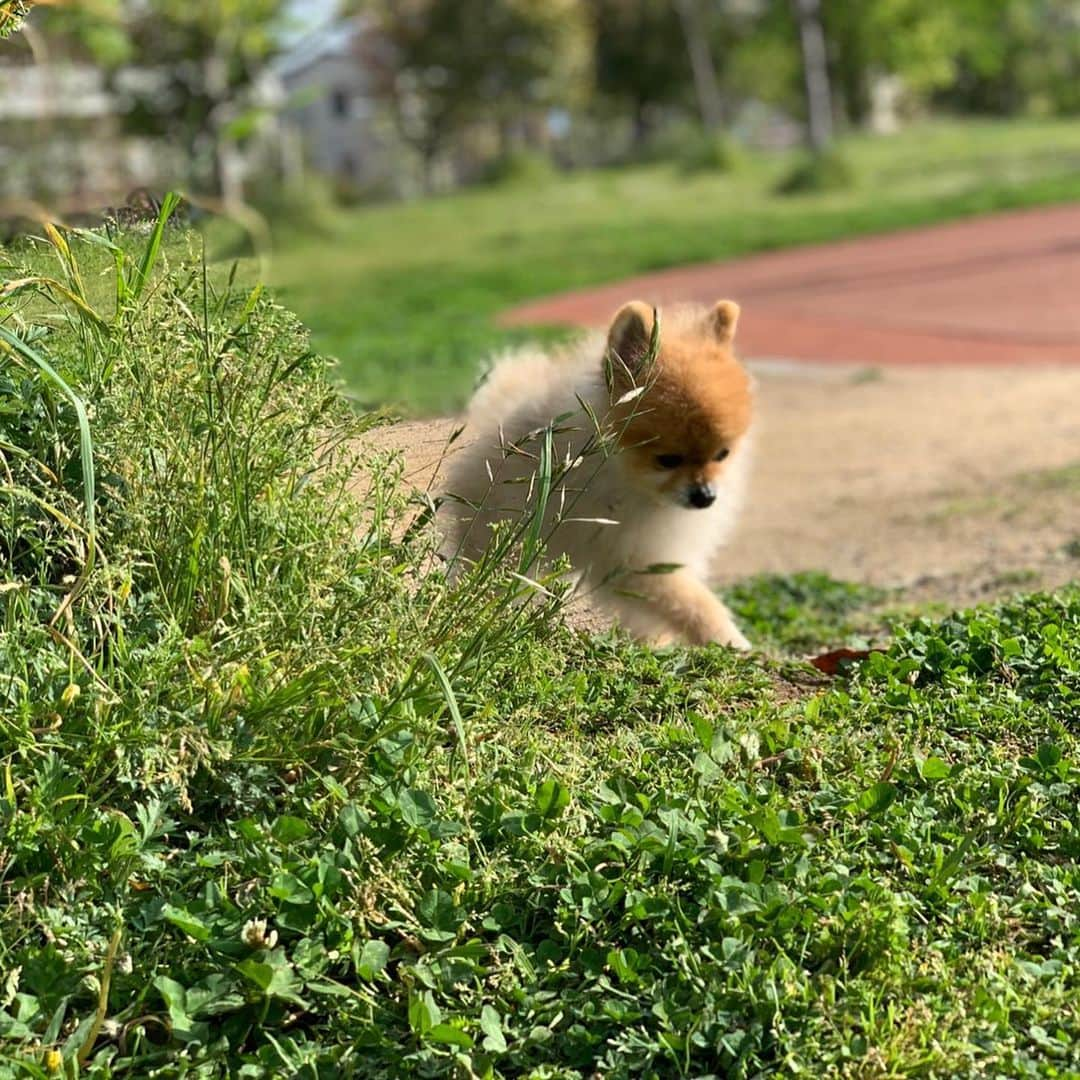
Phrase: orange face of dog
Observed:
(681, 417)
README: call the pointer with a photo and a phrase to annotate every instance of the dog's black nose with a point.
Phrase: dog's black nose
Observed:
(701, 495)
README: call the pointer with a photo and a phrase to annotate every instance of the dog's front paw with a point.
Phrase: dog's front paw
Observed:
(727, 634)
(735, 640)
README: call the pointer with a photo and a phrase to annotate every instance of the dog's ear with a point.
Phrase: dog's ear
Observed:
(723, 319)
(631, 335)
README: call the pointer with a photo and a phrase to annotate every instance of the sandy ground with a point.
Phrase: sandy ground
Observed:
(956, 484)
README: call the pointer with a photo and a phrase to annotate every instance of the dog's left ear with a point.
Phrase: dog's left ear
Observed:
(630, 333)
(723, 319)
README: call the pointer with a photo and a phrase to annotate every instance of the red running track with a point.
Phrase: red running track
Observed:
(1002, 289)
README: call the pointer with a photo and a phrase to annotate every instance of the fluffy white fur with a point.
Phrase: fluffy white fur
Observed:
(495, 466)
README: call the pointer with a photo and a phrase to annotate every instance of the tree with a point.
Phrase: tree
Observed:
(200, 59)
(208, 54)
(450, 63)
(847, 44)
(815, 74)
(640, 57)
(94, 29)
(918, 40)
(1019, 55)
(706, 86)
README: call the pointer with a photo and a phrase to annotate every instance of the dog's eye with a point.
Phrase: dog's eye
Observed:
(669, 461)
(721, 454)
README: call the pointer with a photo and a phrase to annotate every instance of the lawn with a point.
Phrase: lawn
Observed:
(407, 295)
(278, 799)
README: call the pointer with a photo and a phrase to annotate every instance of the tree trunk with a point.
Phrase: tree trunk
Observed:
(815, 73)
(224, 169)
(641, 123)
(229, 172)
(849, 76)
(706, 86)
(429, 156)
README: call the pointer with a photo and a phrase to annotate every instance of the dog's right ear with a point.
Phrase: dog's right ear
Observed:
(630, 336)
(725, 318)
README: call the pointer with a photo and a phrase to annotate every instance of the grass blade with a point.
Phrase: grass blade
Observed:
(11, 287)
(531, 547)
(153, 245)
(86, 450)
(452, 705)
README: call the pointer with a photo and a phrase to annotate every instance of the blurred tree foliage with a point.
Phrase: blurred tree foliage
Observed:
(95, 29)
(208, 54)
(1015, 56)
(448, 69)
(983, 56)
(639, 56)
(200, 59)
(919, 40)
(449, 63)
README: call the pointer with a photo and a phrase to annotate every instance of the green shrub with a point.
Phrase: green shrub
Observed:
(305, 206)
(351, 193)
(709, 152)
(277, 798)
(803, 610)
(818, 173)
(520, 168)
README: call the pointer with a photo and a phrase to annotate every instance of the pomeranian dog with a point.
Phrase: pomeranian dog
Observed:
(649, 444)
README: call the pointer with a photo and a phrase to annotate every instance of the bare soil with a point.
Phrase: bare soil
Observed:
(957, 484)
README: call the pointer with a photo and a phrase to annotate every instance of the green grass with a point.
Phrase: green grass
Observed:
(277, 799)
(800, 612)
(407, 295)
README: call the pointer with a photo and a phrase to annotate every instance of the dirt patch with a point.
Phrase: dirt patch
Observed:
(955, 484)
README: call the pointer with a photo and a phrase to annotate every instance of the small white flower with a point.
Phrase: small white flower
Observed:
(254, 935)
(254, 932)
(11, 986)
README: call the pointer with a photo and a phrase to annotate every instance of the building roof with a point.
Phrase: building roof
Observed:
(336, 39)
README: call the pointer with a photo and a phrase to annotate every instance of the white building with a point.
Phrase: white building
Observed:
(329, 117)
(61, 139)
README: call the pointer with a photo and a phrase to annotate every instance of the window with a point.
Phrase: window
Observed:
(339, 103)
